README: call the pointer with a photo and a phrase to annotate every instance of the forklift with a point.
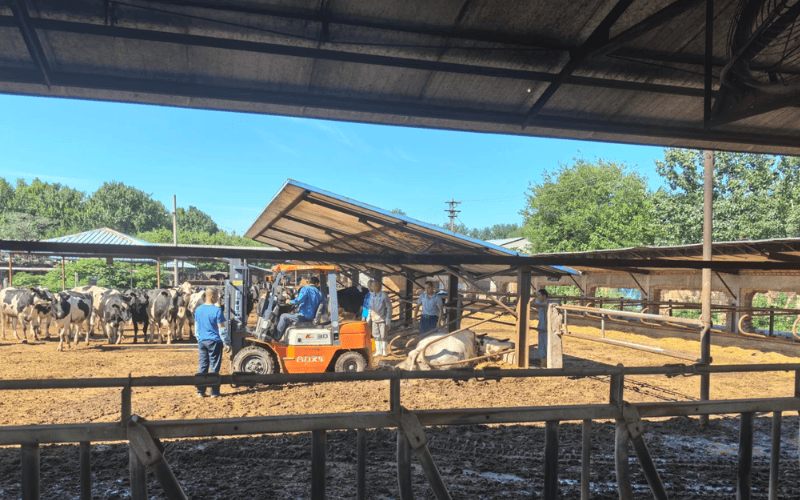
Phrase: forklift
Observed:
(316, 346)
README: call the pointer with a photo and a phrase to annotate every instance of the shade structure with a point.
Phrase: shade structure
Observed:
(633, 71)
(303, 217)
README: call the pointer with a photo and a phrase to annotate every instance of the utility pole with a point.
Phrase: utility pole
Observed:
(175, 236)
(452, 212)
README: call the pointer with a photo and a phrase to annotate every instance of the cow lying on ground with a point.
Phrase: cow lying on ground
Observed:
(17, 305)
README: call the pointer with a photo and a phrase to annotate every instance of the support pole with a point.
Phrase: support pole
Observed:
(138, 477)
(158, 273)
(318, 442)
(743, 478)
(174, 237)
(63, 275)
(84, 455)
(624, 487)
(523, 315)
(361, 464)
(403, 446)
(705, 296)
(452, 303)
(775, 456)
(30, 471)
(10, 272)
(551, 460)
(407, 312)
(586, 451)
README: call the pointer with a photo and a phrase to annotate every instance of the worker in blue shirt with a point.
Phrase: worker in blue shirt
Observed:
(365, 307)
(212, 333)
(307, 303)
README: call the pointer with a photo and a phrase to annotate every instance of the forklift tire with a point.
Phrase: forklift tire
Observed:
(254, 359)
(351, 361)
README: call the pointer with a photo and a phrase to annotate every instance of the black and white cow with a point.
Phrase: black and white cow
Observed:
(351, 299)
(70, 310)
(184, 315)
(114, 311)
(17, 305)
(139, 302)
(162, 310)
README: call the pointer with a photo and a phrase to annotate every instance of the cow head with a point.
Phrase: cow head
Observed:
(41, 294)
(61, 306)
(122, 309)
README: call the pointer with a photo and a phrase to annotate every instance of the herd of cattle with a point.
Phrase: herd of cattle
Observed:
(167, 310)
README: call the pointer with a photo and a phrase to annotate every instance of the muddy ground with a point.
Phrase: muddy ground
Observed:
(477, 462)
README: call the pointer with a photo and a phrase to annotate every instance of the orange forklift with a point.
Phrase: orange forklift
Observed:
(316, 346)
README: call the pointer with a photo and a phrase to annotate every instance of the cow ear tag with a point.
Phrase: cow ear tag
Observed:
(115, 306)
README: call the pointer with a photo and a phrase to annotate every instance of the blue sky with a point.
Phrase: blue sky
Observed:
(231, 164)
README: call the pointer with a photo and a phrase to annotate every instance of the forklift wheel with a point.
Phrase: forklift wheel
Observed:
(351, 361)
(254, 359)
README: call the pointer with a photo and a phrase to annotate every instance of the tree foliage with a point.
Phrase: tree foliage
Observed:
(589, 206)
(755, 197)
(119, 275)
(196, 221)
(125, 209)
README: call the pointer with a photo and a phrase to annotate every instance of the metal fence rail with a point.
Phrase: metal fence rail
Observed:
(143, 436)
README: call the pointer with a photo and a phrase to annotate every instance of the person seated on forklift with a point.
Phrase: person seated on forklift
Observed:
(431, 309)
(212, 333)
(380, 316)
(307, 303)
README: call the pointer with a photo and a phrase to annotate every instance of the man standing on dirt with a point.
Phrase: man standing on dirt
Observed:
(212, 333)
(431, 309)
(380, 316)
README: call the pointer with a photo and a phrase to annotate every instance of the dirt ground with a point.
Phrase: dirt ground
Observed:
(477, 462)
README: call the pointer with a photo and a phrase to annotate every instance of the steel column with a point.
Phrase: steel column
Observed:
(705, 295)
(318, 442)
(551, 460)
(586, 452)
(523, 315)
(29, 462)
(743, 476)
(775, 456)
(452, 302)
(84, 457)
(361, 464)
(407, 308)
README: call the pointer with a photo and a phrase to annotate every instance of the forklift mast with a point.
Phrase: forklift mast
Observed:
(237, 287)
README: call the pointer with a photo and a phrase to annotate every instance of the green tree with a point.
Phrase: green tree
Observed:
(195, 220)
(54, 202)
(6, 194)
(755, 197)
(589, 206)
(125, 209)
(497, 232)
(23, 226)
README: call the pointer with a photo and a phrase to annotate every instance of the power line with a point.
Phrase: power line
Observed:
(452, 212)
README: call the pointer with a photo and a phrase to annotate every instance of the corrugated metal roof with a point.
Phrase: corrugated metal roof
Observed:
(303, 217)
(475, 66)
(102, 236)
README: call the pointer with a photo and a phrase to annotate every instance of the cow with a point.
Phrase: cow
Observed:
(184, 315)
(139, 302)
(70, 309)
(114, 311)
(96, 292)
(162, 309)
(17, 305)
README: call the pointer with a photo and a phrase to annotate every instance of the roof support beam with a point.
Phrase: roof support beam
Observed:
(599, 44)
(35, 49)
(598, 38)
(374, 105)
(337, 55)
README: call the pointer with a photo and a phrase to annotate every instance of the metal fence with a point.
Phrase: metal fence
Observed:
(146, 451)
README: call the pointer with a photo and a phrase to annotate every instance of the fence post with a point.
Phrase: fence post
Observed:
(771, 321)
(84, 454)
(138, 477)
(624, 488)
(125, 413)
(551, 460)
(29, 461)
(744, 479)
(585, 458)
(403, 446)
(318, 442)
(361, 464)
(775, 456)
